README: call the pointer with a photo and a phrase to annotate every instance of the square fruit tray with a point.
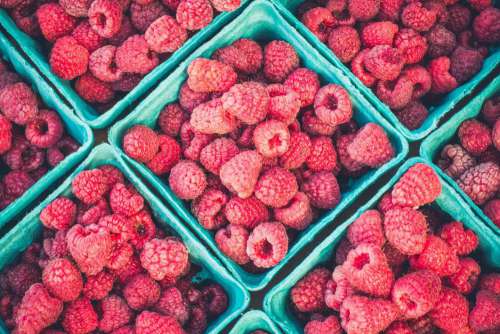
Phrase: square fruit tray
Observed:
(254, 320)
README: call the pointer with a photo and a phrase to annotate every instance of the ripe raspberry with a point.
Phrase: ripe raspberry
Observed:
(89, 186)
(480, 182)
(413, 115)
(24, 15)
(5, 135)
(23, 156)
(225, 5)
(412, 45)
(420, 78)
(246, 212)
(90, 214)
(16, 183)
(308, 294)
(442, 80)
(215, 299)
(105, 17)
(379, 33)
(441, 41)
(142, 16)
(54, 21)
(344, 42)
(248, 102)
(93, 90)
(459, 18)
(171, 119)
(213, 118)
(465, 63)
(485, 26)
(193, 141)
(367, 270)
(189, 99)
(101, 64)
(218, 152)
(305, 83)
(329, 325)
(484, 315)
(361, 314)
(244, 55)
(56, 247)
(77, 8)
(198, 320)
(461, 241)
(164, 257)
(397, 93)
(205, 75)
(98, 286)
(141, 292)
(299, 149)
(451, 311)
(314, 126)
(465, 279)
(492, 211)
(359, 70)
(319, 20)
(165, 35)
(420, 185)
(153, 323)
(371, 146)
(267, 244)
(68, 59)
(384, 62)
(271, 138)
(332, 105)
(115, 314)
(194, 14)
(399, 327)
(9, 3)
(187, 180)
(37, 310)
(59, 215)
(134, 56)
(45, 130)
(62, 279)
(284, 103)
(125, 201)
(168, 155)
(18, 103)
(21, 277)
(495, 134)
(322, 189)
(8, 78)
(297, 214)
(490, 282)
(436, 256)
(87, 37)
(408, 238)
(363, 10)
(276, 187)
(416, 293)
(124, 274)
(367, 229)
(172, 303)
(416, 16)
(80, 317)
(232, 241)
(323, 156)
(208, 208)
(240, 174)
(351, 165)
(280, 59)
(337, 289)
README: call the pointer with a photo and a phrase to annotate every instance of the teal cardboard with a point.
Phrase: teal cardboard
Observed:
(254, 320)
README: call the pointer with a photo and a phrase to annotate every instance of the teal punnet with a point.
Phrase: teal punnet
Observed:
(254, 320)
(74, 127)
(288, 8)
(30, 229)
(431, 147)
(38, 55)
(260, 21)
(276, 302)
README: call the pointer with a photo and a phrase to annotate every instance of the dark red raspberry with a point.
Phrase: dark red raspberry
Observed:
(480, 182)
(416, 16)
(105, 17)
(59, 215)
(142, 16)
(165, 35)
(305, 83)
(153, 323)
(217, 153)
(359, 70)
(54, 21)
(134, 56)
(240, 174)
(412, 45)
(98, 286)
(371, 146)
(345, 43)
(246, 212)
(484, 315)
(329, 325)
(205, 75)
(21, 277)
(62, 279)
(360, 314)
(436, 256)
(87, 37)
(490, 282)
(126, 30)
(485, 25)
(319, 20)
(333, 105)
(207, 208)
(492, 211)
(18, 103)
(24, 156)
(171, 119)
(194, 14)
(442, 80)
(322, 189)
(465, 63)
(215, 299)
(276, 187)
(459, 18)
(164, 257)
(173, 303)
(45, 130)
(80, 317)
(68, 59)
(420, 185)
(16, 183)
(308, 294)
(396, 93)
(8, 78)
(24, 15)
(440, 8)
(93, 90)
(115, 314)
(465, 279)
(56, 247)
(198, 321)
(280, 59)
(378, 33)
(267, 244)
(413, 115)
(167, 156)
(441, 41)
(89, 186)
(367, 229)
(141, 292)
(141, 143)
(187, 180)
(9, 3)
(399, 327)
(461, 241)
(384, 62)
(363, 10)
(232, 241)
(451, 311)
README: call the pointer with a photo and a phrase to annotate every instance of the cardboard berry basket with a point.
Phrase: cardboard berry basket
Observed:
(34, 50)
(276, 302)
(30, 229)
(432, 145)
(254, 320)
(260, 21)
(288, 8)
(78, 130)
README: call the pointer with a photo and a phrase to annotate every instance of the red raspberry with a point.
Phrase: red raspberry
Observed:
(23, 156)
(115, 314)
(412, 45)
(24, 15)
(465, 279)
(297, 214)
(495, 134)
(351, 165)
(187, 180)
(141, 292)
(465, 63)
(18, 103)
(62, 279)
(87, 37)
(253, 54)
(371, 146)
(420, 78)
(142, 16)
(323, 156)
(367, 270)
(442, 80)
(171, 119)
(363, 10)
(218, 152)
(59, 215)
(332, 105)
(153, 323)
(89, 186)
(490, 282)
(305, 83)
(416, 293)
(480, 182)
(172, 303)
(461, 241)
(441, 41)
(329, 325)
(9, 3)
(225, 5)
(168, 155)
(208, 208)
(319, 20)
(189, 99)
(322, 189)
(5, 134)
(436, 256)
(413, 115)
(418, 17)
(45, 130)
(8, 78)
(484, 315)
(299, 149)
(125, 201)
(361, 314)
(77, 8)
(397, 93)
(37, 310)
(90, 214)
(399, 327)
(267, 244)
(359, 70)
(165, 35)
(308, 294)
(344, 42)
(240, 174)
(280, 59)
(248, 101)
(80, 317)
(54, 21)
(459, 18)
(284, 103)
(194, 14)
(276, 187)
(271, 138)
(101, 64)
(492, 211)
(420, 185)
(246, 212)
(127, 272)
(232, 241)
(439, 7)
(451, 311)
(141, 143)
(314, 126)
(134, 56)
(164, 257)
(384, 62)
(367, 229)
(213, 118)
(193, 141)
(379, 33)
(337, 289)
(408, 238)
(198, 320)
(56, 247)
(21, 277)
(105, 17)
(126, 30)
(205, 75)
(93, 90)
(16, 183)
(485, 26)
(98, 286)
(68, 59)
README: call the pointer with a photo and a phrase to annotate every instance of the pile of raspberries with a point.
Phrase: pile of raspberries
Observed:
(402, 268)
(408, 52)
(108, 46)
(104, 267)
(256, 144)
(32, 138)
(474, 161)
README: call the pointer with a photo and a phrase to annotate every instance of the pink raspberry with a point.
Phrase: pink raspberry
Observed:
(351, 165)
(462, 242)
(218, 152)
(232, 241)
(167, 156)
(164, 257)
(189, 99)
(284, 103)
(93, 90)
(384, 62)
(367, 229)
(245, 55)
(142, 16)
(480, 182)
(322, 189)
(194, 14)
(492, 211)
(68, 59)
(442, 80)
(165, 35)
(276, 187)
(297, 214)
(314, 126)
(280, 59)
(484, 26)
(187, 180)
(413, 115)
(115, 314)
(89, 186)
(474, 136)
(59, 215)
(18, 103)
(323, 156)
(418, 17)
(484, 315)
(171, 118)
(101, 64)
(344, 42)
(105, 17)
(62, 279)
(80, 317)
(141, 292)
(367, 270)
(465, 279)
(226, 5)
(308, 294)
(5, 135)
(126, 273)
(359, 70)
(337, 289)
(87, 37)
(408, 238)
(319, 20)
(305, 83)
(215, 299)
(451, 311)
(412, 45)
(21, 277)
(206, 76)
(465, 63)
(134, 56)
(54, 22)
(248, 102)
(240, 173)
(299, 149)
(267, 244)
(246, 212)
(436, 256)
(208, 208)
(416, 293)
(98, 286)
(363, 10)
(90, 214)
(125, 201)
(371, 146)
(271, 138)
(420, 185)
(153, 323)
(45, 130)
(441, 41)
(213, 118)
(332, 105)
(193, 141)
(329, 325)
(379, 33)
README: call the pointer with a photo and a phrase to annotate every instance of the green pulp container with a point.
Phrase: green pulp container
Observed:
(436, 113)
(78, 130)
(431, 147)
(276, 302)
(30, 229)
(260, 21)
(37, 54)
(254, 320)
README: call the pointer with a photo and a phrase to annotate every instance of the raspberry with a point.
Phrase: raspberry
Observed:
(45, 130)
(461, 241)
(332, 105)
(297, 214)
(218, 152)
(125, 201)
(21, 277)
(484, 315)
(408, 238)
(165, 35)
(126, 30)
(436, 256)
(76, 8)
(105, 17)
(173, 304)
(318, 20)
(134, 56)
(127, 272)
(308, 294)
(299, 149)
(343, 142)
(23, 156)
(18, 103)
(16, 183)
(416, 293)
(54, 21)
(189, 99)
(213, 118)
(241, 172)
(359, 70)
(9, 3)
(93, 90)
(194, 14)
(495, 134)
(276, 187)
(323, 156)
(367, 270)
(24, 15)
(344, 42)
(379, 33)
(305, 83)
(80, 317)
(56, 247)
(337, 289)
(490, 282)
(422, 325)
(397, 93)
(329, 325)
(187, 180)
(226, 5)
(143, 16)
(284, 103)
(314, 126)
(164, 257)
(59, 215)
(485, 26)
(399, 327)
(193, 141)
(492, 211)
(384, 62)
(8, 78)
(451, 311)
(68, 59)
(87, 37)
(90, 214)
(62, 279)
(363, 10)
(420, 78)
(412, 45)
(252, 52)
(441, 41)
(246, 212)
(459, 18)
(101, 64)
(89, 186)
(37, 310)
(322, 189)
(480, 182)
(98, 286)
(361, 314)
(367, 229)
(208, 208)
(141, 292)
(168, 155)
(248, 102)
(232, 241)
(198, 320)
(442, 80)
(371, 146)
(153, 323)
(280, 59)
(215, 299)
(205, 75)
(465, 63)
(416, 16)
(390, 9)
(171, 119)
(465, 279)
(115, 314)
(63, 148)
(90, 247)
(413, 115)
(420, 185)
(439, 7)
(267, 244)
(271, 138)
